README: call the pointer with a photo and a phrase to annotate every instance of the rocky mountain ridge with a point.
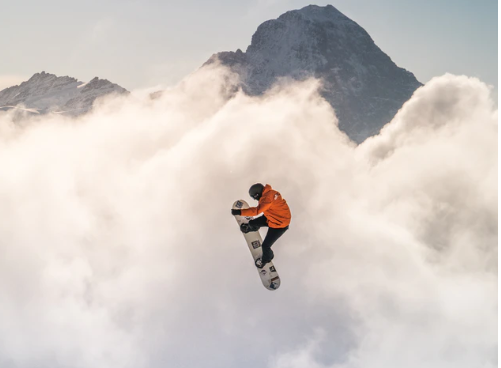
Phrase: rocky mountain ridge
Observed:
(364, 86)
(45, 92)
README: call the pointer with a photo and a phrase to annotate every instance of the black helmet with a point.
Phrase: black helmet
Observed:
(256, 191)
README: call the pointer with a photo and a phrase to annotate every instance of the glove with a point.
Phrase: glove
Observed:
(236, 212)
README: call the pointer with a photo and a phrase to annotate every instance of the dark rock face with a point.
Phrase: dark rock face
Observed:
(360, 81)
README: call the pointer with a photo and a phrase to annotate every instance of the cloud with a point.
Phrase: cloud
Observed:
(119, 248)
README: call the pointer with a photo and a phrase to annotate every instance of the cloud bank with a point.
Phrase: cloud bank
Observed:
(119, 250)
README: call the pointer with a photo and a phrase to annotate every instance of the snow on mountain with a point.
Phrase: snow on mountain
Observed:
(360, 81)
(45, 92)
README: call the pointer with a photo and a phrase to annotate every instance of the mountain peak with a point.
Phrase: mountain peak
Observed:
(48, 79)
(360, 81)
(45, 92)
(317, 13)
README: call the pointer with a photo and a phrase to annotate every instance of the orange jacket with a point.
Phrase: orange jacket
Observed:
(273, 206)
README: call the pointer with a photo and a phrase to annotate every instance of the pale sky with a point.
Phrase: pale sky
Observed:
(117, 245)
(147, 43)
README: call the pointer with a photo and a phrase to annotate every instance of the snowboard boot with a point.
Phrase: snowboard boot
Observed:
(245, 228)
(266, 258)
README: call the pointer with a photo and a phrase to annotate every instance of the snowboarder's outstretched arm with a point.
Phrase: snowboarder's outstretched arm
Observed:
(264, 203)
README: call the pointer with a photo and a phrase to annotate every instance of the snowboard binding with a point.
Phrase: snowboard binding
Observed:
(246, 228)
(259, 263)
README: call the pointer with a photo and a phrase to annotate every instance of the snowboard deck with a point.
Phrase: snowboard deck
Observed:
(268, 274)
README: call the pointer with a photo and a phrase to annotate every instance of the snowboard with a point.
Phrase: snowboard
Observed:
(268, 273)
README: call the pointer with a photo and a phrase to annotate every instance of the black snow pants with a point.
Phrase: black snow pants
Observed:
(271, 236)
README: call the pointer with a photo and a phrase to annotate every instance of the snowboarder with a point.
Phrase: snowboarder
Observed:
(276, 216)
